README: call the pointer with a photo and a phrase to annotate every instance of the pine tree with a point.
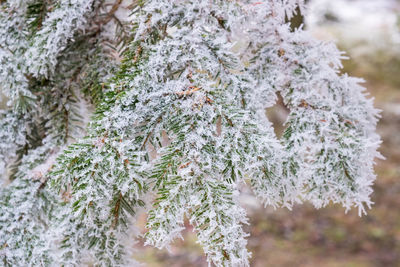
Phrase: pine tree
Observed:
(178, 127)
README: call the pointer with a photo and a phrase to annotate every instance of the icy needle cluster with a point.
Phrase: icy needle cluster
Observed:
(178, 127)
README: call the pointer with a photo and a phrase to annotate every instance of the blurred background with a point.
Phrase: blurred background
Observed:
(369, 32)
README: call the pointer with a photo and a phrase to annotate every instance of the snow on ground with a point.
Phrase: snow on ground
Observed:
(372, 22)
